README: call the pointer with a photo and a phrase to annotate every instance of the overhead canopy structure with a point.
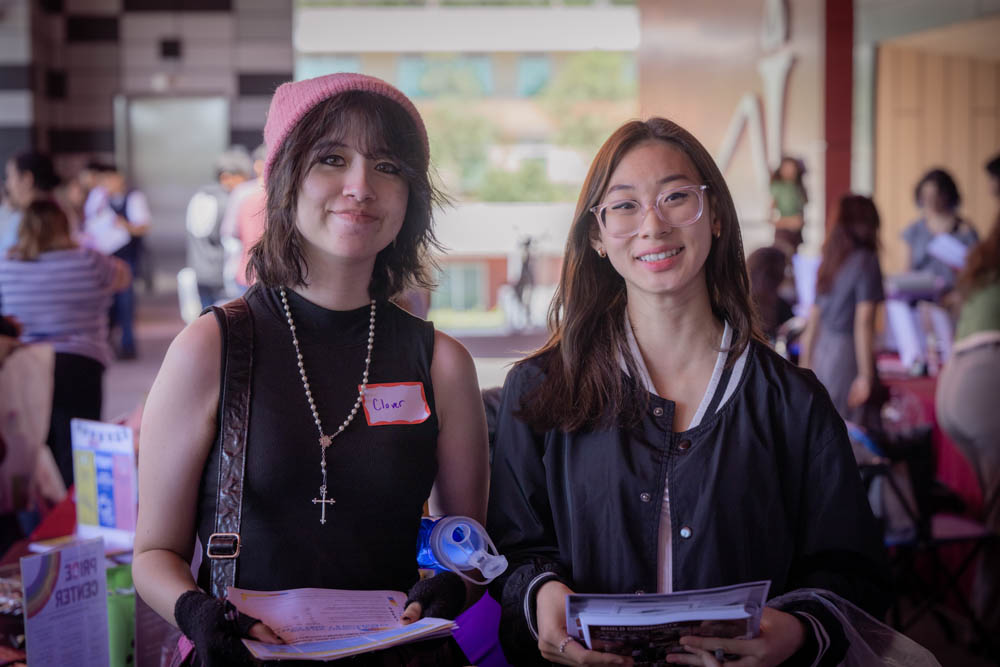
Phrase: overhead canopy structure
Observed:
(466, 29)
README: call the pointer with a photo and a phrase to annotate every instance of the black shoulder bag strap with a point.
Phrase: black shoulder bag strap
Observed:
(224, 544)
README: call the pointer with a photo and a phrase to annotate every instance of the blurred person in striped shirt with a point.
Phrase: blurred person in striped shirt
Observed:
(60, 294)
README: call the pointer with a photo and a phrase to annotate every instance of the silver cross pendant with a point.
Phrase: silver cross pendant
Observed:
(323, 502)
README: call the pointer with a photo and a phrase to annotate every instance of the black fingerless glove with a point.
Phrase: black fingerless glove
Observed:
(441, 596)
(215, 627)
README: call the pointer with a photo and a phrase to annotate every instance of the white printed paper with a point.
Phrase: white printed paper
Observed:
(322, 624)
(66, 606)
(949, 250)
(317, 614)
(649, 627)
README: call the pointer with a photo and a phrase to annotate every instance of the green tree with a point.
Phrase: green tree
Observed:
(592, 75)
(460, 142)
(530, 183)
(585, 79)
(448, 75)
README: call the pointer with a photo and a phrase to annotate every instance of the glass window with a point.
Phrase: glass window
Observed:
(450, 75)
(482, 69)
(307, 67)
(533, 73)
(461, 286)
(409, 74)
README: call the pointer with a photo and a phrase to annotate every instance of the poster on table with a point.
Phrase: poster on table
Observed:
(66, 606)
(105, 474)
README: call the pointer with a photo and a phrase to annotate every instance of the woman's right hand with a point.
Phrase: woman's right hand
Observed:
(216, 632)
(550, 606)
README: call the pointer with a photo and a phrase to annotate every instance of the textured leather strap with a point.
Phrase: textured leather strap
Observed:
(235, 417)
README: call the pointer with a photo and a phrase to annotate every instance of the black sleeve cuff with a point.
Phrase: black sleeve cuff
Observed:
(825, 644)
(518, 633)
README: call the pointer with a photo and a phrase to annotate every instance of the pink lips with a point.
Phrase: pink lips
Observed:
(356, 215)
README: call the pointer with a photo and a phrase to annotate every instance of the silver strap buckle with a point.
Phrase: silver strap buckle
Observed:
(224, 546)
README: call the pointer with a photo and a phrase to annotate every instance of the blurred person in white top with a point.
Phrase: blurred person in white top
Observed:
(205, 212)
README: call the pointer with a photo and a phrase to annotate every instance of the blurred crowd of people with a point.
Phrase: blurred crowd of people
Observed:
(942, 319)
(71, 252)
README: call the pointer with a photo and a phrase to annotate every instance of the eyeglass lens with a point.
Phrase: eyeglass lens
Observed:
(677, 208)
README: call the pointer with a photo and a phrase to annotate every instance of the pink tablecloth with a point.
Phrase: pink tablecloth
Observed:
(953, 469)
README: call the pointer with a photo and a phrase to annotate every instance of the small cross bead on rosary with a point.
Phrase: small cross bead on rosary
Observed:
(324, 442)
(323, 502)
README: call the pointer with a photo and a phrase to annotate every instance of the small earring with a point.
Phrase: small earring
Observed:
(393, 241)
(602, 253)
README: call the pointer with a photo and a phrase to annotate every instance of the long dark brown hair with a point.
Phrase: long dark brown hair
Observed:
(383, 128)
(584, 385)
(983, 265)
(855, 225)
(946, 188)
(766, 267)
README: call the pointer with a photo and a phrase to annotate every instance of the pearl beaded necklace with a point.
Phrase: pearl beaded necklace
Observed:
(326, 440)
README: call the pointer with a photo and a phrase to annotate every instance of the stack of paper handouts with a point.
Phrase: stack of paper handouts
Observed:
(324, 624)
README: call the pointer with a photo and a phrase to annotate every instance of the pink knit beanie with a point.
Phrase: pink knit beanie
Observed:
(294, 99)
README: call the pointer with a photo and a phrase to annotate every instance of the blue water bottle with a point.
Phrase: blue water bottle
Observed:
(458, 544)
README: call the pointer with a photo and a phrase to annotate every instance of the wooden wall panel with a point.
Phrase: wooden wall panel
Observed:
(985, 86)
(933, 95)
(884, 134)
(933, 110)
(979, 197)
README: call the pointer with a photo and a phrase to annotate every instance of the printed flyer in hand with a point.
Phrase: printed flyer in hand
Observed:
(649, 627)
(325, 624)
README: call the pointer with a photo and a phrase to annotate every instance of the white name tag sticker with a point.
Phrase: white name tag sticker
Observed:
(396, 403)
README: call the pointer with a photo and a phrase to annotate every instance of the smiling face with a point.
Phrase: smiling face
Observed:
(350, 205)
(659, 259)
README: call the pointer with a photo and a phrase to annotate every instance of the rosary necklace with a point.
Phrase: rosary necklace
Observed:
(326, 440)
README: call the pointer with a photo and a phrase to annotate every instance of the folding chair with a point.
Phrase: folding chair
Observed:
(903, 467)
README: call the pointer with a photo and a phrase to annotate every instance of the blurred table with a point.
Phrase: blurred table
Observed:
(952, 468)
(60, 521)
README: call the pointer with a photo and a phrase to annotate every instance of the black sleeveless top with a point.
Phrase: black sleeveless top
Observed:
(379, 475)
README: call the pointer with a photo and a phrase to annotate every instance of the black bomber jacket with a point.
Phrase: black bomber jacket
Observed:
(766, 487)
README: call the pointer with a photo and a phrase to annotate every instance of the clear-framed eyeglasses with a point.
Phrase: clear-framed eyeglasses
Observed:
(677, 207)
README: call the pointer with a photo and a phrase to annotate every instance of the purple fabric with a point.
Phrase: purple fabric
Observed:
(478, 636)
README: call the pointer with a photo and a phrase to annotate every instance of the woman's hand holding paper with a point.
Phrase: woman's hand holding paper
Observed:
(554, 642)
(781, 635)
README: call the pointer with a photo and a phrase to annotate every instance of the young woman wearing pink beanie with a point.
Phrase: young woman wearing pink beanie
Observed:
(314, 388)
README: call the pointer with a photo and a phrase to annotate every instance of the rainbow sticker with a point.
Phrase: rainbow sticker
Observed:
(38, 592)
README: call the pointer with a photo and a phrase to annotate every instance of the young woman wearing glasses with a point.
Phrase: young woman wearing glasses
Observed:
(655, 444)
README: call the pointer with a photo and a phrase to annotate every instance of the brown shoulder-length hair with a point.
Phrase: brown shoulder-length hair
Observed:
(584, 385)
(855, 225)
(43, 227)
(382, 128)
(983, 265)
